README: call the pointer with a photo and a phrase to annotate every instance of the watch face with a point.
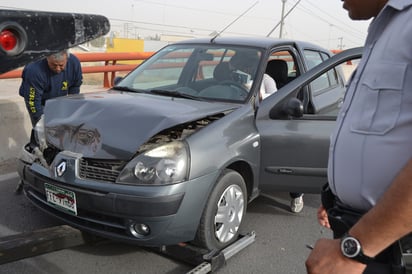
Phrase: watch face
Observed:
(350, 247)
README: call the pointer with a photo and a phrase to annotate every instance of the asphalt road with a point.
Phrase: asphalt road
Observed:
(279, 247)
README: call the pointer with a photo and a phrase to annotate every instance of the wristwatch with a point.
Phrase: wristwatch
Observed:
(352, 249)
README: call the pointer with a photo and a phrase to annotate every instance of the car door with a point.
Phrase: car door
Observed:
(294, 148)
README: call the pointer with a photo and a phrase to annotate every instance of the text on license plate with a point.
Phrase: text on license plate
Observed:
(61, 198)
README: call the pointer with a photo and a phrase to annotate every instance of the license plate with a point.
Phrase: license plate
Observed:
(61, 198)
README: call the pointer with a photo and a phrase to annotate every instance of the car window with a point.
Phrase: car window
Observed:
(325, 102)
(281, 67)
(325, 81)
(332, 75)
(207, 67)
(211, 72)
(288, 57)
(163, 71)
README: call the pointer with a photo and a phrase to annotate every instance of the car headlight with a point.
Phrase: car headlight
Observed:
(166, 164)
(39, 133)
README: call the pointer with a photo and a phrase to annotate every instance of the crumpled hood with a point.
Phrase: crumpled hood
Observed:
(112, 125)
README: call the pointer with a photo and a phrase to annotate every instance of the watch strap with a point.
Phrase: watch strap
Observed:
(360, 257)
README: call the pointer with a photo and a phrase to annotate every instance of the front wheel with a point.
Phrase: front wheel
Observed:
(223, 213)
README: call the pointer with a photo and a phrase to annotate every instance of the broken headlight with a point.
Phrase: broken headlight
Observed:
(39, 134)
(166, 164)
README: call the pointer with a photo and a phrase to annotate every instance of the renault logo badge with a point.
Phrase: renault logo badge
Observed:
(61, 168)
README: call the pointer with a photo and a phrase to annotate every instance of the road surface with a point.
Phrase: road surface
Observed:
(280, 245)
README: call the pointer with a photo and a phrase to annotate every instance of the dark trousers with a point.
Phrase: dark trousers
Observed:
(342, 218)
(294, 195)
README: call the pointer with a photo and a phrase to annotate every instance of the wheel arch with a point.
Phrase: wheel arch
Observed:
(245, 170)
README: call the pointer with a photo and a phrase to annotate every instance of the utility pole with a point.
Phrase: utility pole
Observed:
(341, 45)
(282, 20)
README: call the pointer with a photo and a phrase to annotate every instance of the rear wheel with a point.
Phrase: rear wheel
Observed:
(224, 212)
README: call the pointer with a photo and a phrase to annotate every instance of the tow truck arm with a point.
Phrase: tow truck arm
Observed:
(26, 36)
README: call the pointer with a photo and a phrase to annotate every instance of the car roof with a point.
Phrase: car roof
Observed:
(262, 42)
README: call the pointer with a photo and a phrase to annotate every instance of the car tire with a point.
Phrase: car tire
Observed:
(224, 212)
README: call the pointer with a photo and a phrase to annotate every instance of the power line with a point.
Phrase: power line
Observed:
(237, 18)
(341, 24)
(307, 7)
(181, 29)
(208, 12)
(191, 9)
(351, 32)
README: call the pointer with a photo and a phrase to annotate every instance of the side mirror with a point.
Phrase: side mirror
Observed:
(117, 80)
(294, 107)
(291, 108)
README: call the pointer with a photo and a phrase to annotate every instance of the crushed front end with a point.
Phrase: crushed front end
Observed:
(102, 196)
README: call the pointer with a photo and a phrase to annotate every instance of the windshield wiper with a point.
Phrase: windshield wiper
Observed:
(174, 93)
(124, 88)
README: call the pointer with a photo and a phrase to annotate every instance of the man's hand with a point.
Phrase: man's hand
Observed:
(323, 217)
(326, 257)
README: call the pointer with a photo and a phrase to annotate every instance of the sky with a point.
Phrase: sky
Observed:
(323, 22)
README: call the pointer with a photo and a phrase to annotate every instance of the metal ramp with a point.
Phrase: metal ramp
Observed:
(42, 241)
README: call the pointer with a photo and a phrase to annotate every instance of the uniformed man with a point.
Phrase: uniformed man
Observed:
(370, 168)
(57, 75)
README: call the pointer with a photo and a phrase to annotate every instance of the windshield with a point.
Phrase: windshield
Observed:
(210, 72)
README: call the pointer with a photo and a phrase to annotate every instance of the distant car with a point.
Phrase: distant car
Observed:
(176, 150)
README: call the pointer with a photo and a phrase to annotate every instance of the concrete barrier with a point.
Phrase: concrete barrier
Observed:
(15, 125)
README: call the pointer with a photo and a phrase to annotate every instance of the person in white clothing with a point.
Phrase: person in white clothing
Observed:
(244, 62)
(268, 86)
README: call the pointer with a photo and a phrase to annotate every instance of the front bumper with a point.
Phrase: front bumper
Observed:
(171, 212)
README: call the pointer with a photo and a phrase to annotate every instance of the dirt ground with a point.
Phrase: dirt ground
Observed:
(8, 166)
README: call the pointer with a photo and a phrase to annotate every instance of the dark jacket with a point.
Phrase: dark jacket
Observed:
(40, 84)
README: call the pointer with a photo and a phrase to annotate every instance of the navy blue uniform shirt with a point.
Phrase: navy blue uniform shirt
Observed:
(40, 84)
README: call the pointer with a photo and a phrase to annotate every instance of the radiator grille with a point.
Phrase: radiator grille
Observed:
(100, 170)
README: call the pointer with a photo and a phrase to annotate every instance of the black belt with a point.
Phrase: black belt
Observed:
(342, 218)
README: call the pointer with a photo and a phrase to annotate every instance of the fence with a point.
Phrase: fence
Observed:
(109, 68)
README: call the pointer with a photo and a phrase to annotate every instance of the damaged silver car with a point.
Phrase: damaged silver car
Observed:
(176, 150)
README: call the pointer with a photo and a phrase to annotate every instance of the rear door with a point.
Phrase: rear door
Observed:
(294, 150)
